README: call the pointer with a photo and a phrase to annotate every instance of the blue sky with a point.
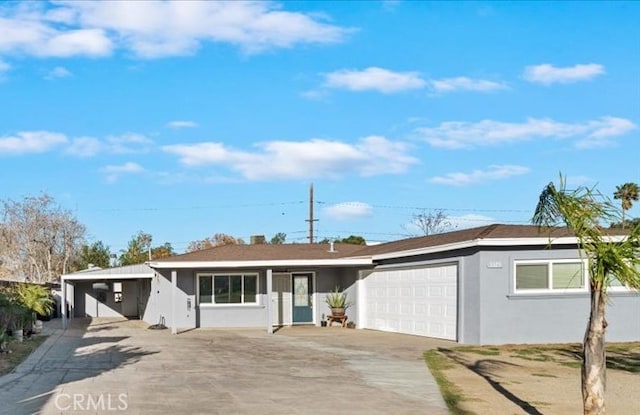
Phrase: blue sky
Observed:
(185, 119)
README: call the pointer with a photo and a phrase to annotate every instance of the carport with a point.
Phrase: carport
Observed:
(112, 292)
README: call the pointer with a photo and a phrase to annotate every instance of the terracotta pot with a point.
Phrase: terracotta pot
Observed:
(337, 312)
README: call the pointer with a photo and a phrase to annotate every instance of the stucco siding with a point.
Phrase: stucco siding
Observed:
(87, 304)
(469, 304)
(327, 279)
(509, 317)
(233, 315)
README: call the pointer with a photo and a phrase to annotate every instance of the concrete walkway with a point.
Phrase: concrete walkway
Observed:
(111, 366)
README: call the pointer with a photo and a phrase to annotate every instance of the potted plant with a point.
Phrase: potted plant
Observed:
(4, 338)
(21, 322)
(338, 302)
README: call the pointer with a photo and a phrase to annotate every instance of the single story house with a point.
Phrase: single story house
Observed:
(494, 284)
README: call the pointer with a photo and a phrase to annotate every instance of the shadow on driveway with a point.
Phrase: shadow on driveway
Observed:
(64, 358)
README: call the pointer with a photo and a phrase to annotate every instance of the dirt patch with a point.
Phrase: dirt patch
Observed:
(539, 379)
(17, 352)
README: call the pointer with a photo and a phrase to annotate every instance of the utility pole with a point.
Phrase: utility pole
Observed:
(311, 219)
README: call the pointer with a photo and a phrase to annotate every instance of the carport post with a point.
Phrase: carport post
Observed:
(63, 305)
(174, 288)
(269, 301)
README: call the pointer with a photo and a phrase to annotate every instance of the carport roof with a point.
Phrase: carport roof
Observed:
(116, 273)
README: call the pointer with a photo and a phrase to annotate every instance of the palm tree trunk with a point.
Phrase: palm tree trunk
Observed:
(623, 218)
(594, 358)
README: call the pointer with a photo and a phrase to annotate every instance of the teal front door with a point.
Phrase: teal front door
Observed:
(302, 293)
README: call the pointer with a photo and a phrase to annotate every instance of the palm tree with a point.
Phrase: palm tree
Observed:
(627, 193)
(36, 299)
(581, 211)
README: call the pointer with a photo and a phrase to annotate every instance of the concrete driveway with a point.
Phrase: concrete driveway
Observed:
(108, 366)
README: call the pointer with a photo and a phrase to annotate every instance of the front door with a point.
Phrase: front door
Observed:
(130, 299)
(302, 298)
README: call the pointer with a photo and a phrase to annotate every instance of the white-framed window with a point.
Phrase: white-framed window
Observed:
(117, 292)
(616, 286)
(228, 288)
(550, 276)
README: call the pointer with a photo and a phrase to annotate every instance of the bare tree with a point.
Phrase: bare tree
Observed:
(39, 239)
(425, 223)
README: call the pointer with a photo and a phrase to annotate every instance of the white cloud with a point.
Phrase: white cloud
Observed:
(374, 79)
(4, 67)
(114, 172)
(603, 132)
(84, 147)
(27, 32)
(58, 72)
(462, 83)
(128, 143)
(26, 142)
(182, 124)
(152, 29)
(348, 210)
(495, 172)
(314, 94)
(459, 134)
(547, 74)
(370, 156)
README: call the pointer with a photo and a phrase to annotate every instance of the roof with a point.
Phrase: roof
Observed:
(267, 255)
(347, 254)
(490, 235)
(258, 252)
(124, 272)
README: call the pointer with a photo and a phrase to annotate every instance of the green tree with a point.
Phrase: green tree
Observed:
(581, 211)
(278, 239)
(627, 194)
(218, 239)
(353, 240)
(97, 254)
(162, 251)
(630, 222)
(139, 250)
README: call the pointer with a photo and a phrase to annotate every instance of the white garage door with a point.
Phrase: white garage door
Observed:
(421, 301)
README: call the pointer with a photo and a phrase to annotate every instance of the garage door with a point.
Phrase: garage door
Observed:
(421, 301)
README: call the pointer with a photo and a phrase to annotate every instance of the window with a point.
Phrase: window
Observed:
(117, 292)
(540, 276)
(616, 285)
(228, 288)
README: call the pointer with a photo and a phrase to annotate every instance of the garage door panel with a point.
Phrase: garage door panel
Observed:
(421, 301)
